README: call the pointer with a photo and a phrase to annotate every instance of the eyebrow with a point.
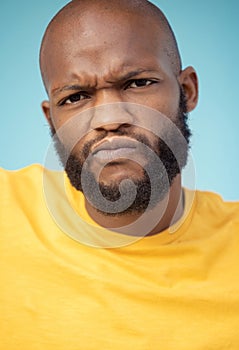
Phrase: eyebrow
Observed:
(132, 74)
(74, 87)
(77, 87)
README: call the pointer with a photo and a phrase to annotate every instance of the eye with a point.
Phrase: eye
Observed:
(74, 98)
(139, 83)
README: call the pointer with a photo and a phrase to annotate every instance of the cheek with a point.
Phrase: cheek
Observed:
(77, 150)
(166, 99)
(71, 129)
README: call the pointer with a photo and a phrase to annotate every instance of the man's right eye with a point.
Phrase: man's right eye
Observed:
(74, 98)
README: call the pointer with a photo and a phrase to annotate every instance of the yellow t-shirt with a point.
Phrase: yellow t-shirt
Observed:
(175, 290)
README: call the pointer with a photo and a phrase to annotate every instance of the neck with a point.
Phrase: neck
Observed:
(163, 215)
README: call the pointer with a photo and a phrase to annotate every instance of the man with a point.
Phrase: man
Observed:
(151, 265)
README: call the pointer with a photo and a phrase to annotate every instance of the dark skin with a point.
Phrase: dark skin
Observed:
(101, 60)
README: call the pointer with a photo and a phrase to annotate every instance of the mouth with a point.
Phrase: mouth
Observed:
(114, 148)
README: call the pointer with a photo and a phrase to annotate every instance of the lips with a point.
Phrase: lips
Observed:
(114, 147)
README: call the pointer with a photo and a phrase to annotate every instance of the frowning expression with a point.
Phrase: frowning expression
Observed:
(106, 58)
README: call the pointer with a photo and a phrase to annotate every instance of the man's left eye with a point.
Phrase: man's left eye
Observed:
(137, 83)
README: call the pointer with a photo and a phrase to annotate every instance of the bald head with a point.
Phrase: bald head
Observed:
(78, 12)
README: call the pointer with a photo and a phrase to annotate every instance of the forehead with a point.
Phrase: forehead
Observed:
(99, 43)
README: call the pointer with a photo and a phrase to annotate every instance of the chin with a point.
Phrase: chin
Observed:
(115, 172)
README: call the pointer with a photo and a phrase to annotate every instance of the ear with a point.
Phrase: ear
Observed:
(47, 112)
(189, 82)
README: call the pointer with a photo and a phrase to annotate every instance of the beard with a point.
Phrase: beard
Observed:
(145, 197)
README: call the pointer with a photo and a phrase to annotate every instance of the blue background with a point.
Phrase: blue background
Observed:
(208, 37)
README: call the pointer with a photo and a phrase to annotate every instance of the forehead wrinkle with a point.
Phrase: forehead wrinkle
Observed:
(120, 69)
(77, 10)
(129, 74)
(79, 82)
(76, 82)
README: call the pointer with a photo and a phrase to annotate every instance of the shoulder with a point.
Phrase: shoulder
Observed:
(30, 169)
(29, 184)
(213, 205)
(207, 198)
(20, 177)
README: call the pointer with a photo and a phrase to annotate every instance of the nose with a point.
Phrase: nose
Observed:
(110, 112)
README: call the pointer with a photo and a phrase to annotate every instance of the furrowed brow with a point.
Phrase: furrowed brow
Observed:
(123, 77)
(132, 74)
(75, 87)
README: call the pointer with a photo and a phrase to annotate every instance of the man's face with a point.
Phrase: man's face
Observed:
(106, 61)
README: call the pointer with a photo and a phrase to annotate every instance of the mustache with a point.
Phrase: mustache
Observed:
(88, 145)
(86, 149)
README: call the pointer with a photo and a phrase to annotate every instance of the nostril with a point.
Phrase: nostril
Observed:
(110, 126)
(110, 119)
